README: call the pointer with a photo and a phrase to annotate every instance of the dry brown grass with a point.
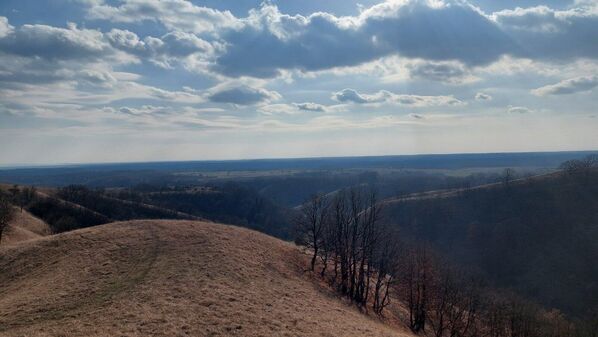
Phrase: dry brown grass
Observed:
(169, 278)
(22, 228)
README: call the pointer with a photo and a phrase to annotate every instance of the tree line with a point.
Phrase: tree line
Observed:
(366, 261)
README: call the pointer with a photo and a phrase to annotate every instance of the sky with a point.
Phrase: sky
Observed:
(130, 80)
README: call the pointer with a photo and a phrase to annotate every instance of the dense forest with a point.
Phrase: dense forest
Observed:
(228, 203)
(292, 190)
(536, 236)
(369, 262)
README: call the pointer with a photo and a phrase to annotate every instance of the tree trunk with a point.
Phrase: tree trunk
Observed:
(313, 259)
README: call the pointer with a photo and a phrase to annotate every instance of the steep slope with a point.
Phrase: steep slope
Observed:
(168, 278)
(538, 237)
(24, 227)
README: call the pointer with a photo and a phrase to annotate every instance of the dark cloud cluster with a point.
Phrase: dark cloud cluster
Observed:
(272, 41)
(545, 34)
(51, 43)
(442, 72)
(269, 41)
(44, 54)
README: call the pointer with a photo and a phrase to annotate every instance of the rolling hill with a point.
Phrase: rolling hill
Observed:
(169, 278)
(24, 227)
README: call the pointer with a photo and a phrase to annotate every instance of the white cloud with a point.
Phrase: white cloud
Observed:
(278, 109)
(570, 86)
(352, 96)
(164, 51)
(309, 106)
(480, 96)
(97, 78)
(536, 19)
(5, 28)
(518, 110)
(173, 14)
(145, 110)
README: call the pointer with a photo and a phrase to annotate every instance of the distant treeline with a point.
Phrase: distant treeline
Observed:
(63, 217)
(75, 206)
(292, 190)
(158, 173)
(228, 203)
(101, 202)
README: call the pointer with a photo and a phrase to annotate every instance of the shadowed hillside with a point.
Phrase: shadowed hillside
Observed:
(535, 236)
(168, 278)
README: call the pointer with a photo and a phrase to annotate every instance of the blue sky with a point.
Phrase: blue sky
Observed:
(132, 80)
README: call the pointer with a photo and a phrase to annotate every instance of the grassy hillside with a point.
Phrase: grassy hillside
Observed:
(24, 227)
(537, 236)
(168, 278)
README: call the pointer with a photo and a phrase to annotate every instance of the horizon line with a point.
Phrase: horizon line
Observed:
(79, 164)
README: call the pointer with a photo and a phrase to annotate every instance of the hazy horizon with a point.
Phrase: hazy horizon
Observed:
(60, 164)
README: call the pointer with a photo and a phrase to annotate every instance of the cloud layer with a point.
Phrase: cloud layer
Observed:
(267, 41)
(418, 67)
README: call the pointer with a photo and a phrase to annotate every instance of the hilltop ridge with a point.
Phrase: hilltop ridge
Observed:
(169, 278)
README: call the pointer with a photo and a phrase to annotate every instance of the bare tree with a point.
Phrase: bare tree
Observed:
(454, 303)
(28, 194)
(508, 175)
(311, 222)
(415, 285)
(328, 244)
(494, 315)
(6, 214)
(369, 237)
(386, 266)
(580, 167)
